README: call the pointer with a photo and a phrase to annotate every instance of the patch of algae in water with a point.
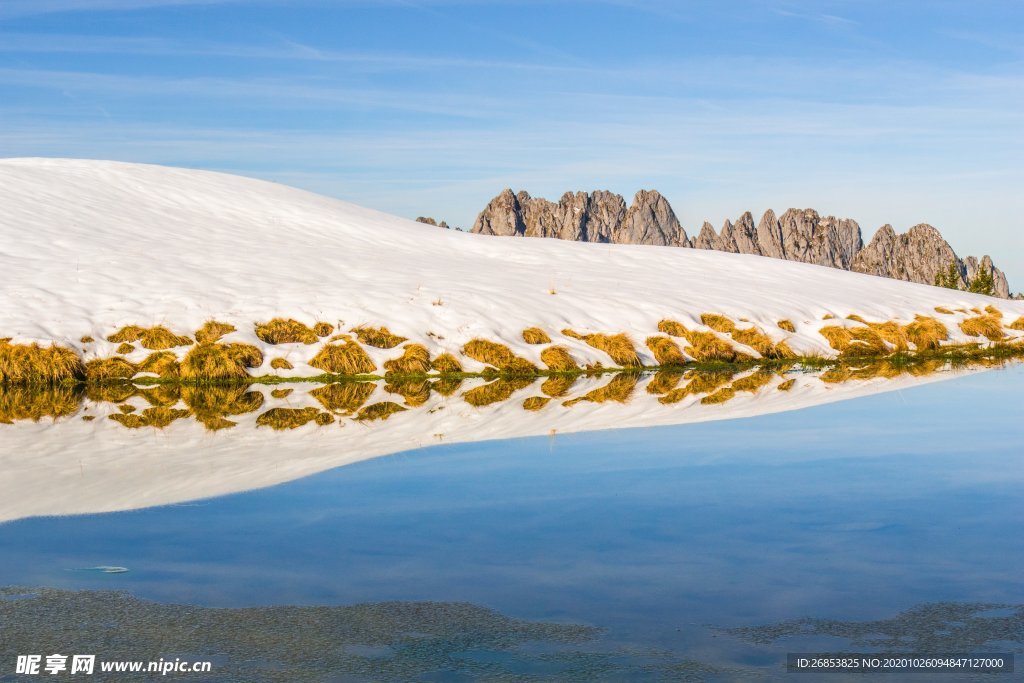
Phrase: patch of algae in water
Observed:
(386, 641)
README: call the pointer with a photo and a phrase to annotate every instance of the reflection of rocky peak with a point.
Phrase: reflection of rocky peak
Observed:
(797, 235)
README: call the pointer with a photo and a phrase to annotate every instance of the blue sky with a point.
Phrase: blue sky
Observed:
(898, 112)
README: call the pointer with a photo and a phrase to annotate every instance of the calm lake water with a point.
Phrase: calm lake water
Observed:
(701, 552)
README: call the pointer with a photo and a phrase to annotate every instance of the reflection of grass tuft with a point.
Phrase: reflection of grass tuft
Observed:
(415, 392)
(618, 390)
(787, 385)
(280, 419)
(664, 381)
(343, 398)
(34, 403)
(379, 411)
(558, 385)
(495, 392)
(535, 403)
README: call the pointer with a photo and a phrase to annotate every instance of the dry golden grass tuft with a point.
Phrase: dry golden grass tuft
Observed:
(323, 329)
(162, 363)
(992, 310)
(666, 352)
(943, 310)
(158, 417)
(717, 322)
(415, 392)
(671, 327)
(34, 364)
(787, 385)
(855, 341)
(211, 362)
(446, 363)
(664, 381)
(723, 395)
(213, 330)
(104, 369)
(762, 343)
(573, 333)
(498, 356)
(828, 316)
(618, 390)
(535, 403)
(496, 391)
(1017, 324)
(619, 348)
(707, 347)
(125, 348)
(343, 359)
(379, 411)
(787, 325)
(281, 393)
(281, 364)
(558, 386)
(415, 360)
(988, 325)
(21, 402)
(535, 335)
(379, 337)
(155, 338)
(285, 331)
(856, 318)
(287, 418)
(926, 333)
(557, 359)
(85, 340)
(343, 398)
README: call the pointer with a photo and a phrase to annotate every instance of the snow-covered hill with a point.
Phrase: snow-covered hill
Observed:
(87, 247)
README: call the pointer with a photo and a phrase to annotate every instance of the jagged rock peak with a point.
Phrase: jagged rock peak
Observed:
(430, 221)
(599, 216)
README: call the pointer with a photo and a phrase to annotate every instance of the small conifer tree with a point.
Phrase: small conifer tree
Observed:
(949, 277)
(983, 283)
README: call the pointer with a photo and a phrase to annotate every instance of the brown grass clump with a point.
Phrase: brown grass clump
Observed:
(213, 330)
(707, 347)
(343, 398)
(717, 322)
(557, 386)
(495, 392)
(753, 382)
(828, 316)
(343, 359)
(281, 364)
(665, 351)
(415, 360)
(574, 334)
(323, 329)
(856, 318)
(855, 341)
(989, 326)
(943, 310)
(446, 363)
(926, 333)
(379, 411)
(557, 359)
(155, 338)
(415, 393)
(35, 403)
(535, 335)
(1017, 324)
(762, 343)
(992, 310)
(671, 327)
(104, 369)
(619, 348)
(380, 337)
(664, 381)
(787, 385)
(281, 393)
(125, 348)
(162, 363)
(85, 339)
(285, 331)
(535, 403)
(150, 417)
(618, 390)
(499, 356)
(34, 364)
(211, 405)
(280, 419)
(208, 362)
(787, 325)
(723, 395)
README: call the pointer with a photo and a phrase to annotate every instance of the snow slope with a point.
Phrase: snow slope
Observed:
(89, 246)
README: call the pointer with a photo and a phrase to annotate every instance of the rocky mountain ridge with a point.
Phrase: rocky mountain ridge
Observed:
(804, 235)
